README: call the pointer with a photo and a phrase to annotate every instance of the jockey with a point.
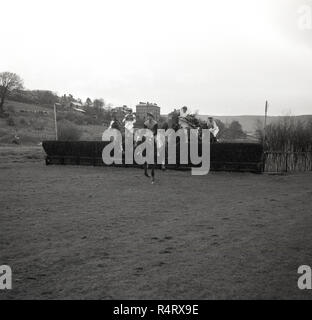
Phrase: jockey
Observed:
(129, 121)
(112, 131)
(114, 124)
(213, 128)
(152, 125)
(183, 121)
(184, 112)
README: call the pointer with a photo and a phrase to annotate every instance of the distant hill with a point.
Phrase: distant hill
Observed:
(249, 123)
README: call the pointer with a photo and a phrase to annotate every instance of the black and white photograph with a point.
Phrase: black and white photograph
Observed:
(156, 151)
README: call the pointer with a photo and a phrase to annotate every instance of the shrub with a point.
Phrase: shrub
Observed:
(287, 135)
(4, 115)
(23, 121)
(10, 122)
(74, 117)
(10, 109)
(39, 125)
(68, 131)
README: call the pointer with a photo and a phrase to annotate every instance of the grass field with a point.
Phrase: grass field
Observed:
(34, 123)
(107, 233)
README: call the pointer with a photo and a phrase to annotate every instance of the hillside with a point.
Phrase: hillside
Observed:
(249, 122)
(35, 123)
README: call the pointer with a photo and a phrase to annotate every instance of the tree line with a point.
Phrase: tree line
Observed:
(11, 87)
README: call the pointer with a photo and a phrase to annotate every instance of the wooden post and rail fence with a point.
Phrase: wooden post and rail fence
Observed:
(278, 161)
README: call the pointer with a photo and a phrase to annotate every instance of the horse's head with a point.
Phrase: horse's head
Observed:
(173, 120)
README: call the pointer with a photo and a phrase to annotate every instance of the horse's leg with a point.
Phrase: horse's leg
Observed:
(153, 173)
(145, 169)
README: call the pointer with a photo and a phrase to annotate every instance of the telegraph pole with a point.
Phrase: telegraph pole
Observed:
(265, 121)
(55, 122)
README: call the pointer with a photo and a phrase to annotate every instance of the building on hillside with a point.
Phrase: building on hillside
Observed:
(75, 104)
(144, 107)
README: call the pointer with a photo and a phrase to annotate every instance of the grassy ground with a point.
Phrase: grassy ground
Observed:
(33, 124)
(93, 232)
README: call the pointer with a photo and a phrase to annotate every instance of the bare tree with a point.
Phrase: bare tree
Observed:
(8, 81)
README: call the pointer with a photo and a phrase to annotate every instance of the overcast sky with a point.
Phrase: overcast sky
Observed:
(218, 57)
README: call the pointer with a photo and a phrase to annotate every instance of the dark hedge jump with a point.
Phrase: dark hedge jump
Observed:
(241, 157)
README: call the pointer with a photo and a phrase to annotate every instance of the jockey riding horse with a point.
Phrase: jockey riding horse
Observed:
(152, 125)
